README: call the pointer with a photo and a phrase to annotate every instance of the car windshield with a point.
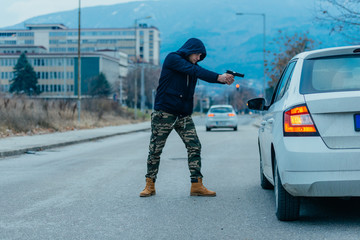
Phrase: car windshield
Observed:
(331, 74)
(221, 110)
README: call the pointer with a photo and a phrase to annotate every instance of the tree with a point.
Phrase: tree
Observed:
(284, 48)
(200, 96)
(151, 78)
(25, 80)
(99, 86)
(239, 98)
(341, 16)
(152, 75)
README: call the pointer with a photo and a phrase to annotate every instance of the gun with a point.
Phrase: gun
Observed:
(235, 74)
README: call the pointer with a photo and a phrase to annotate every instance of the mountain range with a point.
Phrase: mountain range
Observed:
(232, 41)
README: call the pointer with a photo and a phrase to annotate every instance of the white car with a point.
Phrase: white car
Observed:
(221, 116)
(309, 137)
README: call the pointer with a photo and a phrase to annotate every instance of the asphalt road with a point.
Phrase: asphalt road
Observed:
(91, 191)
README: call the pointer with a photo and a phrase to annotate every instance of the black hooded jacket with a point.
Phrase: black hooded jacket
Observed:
(175, 93)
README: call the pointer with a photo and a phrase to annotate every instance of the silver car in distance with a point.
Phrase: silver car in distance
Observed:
(221, 116)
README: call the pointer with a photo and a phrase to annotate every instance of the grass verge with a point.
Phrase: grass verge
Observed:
(28, 116)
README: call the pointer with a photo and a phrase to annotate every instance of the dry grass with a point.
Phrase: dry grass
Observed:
(28, 116)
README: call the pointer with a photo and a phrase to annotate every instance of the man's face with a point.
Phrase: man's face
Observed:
(194, 58)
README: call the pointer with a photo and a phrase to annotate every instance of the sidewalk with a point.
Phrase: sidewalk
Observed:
(22, 144)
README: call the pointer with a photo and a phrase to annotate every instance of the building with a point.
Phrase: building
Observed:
(57, 38)
(58, 72)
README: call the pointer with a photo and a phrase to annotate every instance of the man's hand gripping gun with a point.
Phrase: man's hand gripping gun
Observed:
(235, 74)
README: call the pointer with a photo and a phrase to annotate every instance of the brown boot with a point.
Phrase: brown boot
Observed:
(198, 189)
(149, 189)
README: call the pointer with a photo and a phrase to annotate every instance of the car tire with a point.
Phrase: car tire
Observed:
(265, 184)
(287, 206)
(235, 128)
(208, 129)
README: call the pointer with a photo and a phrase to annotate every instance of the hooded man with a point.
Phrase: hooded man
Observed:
(173, 108)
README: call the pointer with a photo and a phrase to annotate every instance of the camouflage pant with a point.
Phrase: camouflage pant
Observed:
(162, 124)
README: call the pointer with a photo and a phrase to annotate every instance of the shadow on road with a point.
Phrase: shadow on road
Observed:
(222, 130)
(325, 210)
(344, 210)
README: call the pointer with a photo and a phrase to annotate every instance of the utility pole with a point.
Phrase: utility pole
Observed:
(136, 64)
(153, 94)
(142, 89)
(264, 46)
(79, 69)
(120, 91)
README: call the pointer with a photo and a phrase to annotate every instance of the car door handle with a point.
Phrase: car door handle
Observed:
(270, 121)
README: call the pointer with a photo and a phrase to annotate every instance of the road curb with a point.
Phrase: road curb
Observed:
(66, 143)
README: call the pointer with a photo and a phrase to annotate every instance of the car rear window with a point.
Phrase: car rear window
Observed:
(331, 74)
(221, 110)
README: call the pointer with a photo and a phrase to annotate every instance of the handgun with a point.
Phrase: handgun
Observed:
(235, 74)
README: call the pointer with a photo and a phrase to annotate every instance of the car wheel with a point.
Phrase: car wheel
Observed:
(265, 184)
(208, 129)
(235, 128)
(287, 206)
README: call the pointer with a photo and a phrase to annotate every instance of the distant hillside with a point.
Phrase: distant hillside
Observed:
(232, 41)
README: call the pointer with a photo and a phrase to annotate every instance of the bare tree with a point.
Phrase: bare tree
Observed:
(284, 48)
(239, 98)
(342, 16)
(152, 74)
(151, 78)
(199, 96)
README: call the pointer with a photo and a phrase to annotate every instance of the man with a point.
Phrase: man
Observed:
(173, 109)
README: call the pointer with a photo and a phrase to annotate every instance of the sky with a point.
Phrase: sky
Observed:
(16, 11)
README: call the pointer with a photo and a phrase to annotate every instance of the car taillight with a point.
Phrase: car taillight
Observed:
(231, 115)
(211, 115)
(298, 122)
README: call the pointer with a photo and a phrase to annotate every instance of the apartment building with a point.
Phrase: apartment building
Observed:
(52, 51)
(57, 38)
(57, 73)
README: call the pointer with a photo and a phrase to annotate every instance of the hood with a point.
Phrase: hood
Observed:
(193, 45)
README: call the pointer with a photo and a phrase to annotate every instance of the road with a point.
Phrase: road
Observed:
(91, 191)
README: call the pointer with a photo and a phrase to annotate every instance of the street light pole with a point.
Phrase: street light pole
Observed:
(135, 83)
(136, 63)
(79, 69)
(264, 45)
(142, 89)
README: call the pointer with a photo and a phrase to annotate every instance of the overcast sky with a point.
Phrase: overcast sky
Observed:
(16, 11)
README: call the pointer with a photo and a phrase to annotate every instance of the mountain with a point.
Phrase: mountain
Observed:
(232, 41)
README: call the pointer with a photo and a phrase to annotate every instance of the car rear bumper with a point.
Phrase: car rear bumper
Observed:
(308, 168)
(221, 123)
(322, 184)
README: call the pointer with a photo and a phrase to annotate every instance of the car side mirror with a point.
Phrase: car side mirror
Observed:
(257, 104)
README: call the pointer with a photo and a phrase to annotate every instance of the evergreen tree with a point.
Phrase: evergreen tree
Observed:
(25, 80)
(99, 86)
